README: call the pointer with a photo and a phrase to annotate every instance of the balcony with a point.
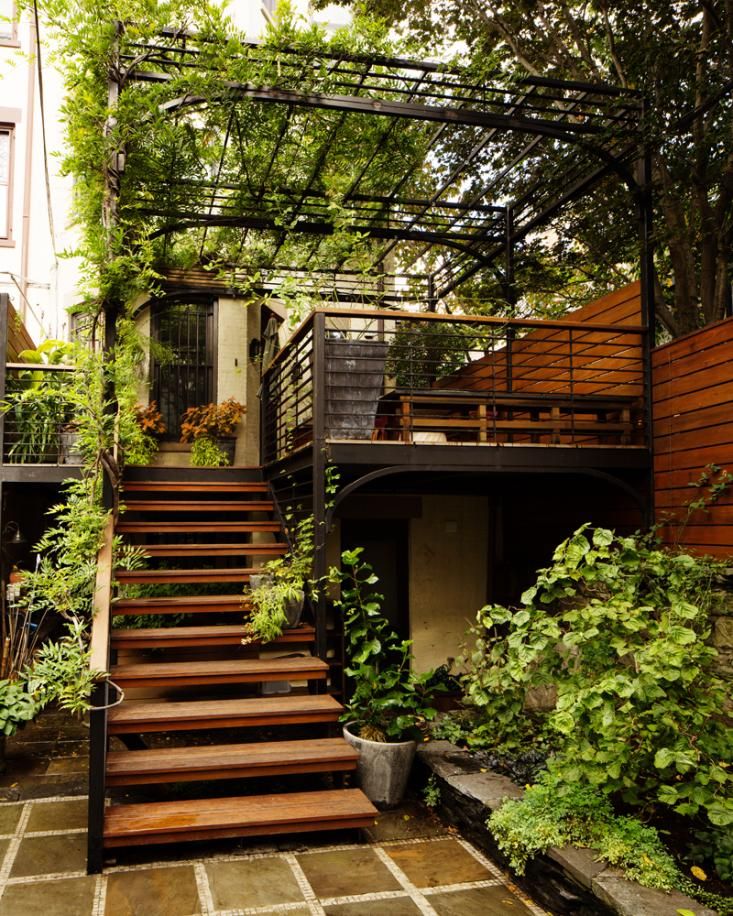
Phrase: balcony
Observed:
(390, 380)
(36, 426)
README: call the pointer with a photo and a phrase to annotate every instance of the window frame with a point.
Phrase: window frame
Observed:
(12, 40)
(6, 232)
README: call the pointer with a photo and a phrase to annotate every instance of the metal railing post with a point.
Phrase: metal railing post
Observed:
(319, 475)
(97, 770)
(4, 306)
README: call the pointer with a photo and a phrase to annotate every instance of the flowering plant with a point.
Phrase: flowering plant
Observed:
(150, 419)
(211, 420)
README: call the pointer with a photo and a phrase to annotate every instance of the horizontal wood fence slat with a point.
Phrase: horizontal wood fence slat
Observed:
(692, 394)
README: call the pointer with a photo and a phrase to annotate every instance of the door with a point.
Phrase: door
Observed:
(183, 364)
(385, 549)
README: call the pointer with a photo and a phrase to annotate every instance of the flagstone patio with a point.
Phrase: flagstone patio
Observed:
(408, 863)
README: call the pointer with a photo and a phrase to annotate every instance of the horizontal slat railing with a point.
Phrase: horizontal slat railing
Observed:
(428, 378)
(37, 415)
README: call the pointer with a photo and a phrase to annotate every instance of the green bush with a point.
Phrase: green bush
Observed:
(553, 814)
(620, 628)
(389, 702)
(205, 453)
(17, 706)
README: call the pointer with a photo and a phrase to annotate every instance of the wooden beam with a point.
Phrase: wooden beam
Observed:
(99, 645)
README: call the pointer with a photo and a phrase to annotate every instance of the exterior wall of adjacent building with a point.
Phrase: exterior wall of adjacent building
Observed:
(449, 562)
(40, 283)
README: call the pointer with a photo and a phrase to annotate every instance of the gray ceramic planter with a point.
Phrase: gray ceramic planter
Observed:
(383, 768)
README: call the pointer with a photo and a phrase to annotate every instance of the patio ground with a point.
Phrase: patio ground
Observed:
(408, 863)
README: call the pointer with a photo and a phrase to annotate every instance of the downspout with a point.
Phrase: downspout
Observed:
(28, 171)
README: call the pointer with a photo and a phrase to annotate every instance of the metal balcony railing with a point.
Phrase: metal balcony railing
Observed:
(37, 416)
(384, 376)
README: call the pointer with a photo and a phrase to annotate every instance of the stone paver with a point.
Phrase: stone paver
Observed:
(438, 864)
(60, 897)
(411, 866)
(347, 872)
(49, 855)
(252, 882)
(169, 891)
(485, 901)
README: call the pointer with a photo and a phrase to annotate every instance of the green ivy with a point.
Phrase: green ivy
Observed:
(620, 629)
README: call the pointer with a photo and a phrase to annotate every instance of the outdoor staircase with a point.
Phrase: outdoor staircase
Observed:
(200, 748)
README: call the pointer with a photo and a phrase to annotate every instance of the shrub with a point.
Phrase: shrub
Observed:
(211, 420)
(553, 814)
(620, 628)
(205, 453)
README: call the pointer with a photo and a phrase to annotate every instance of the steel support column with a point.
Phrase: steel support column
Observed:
(648, 310)
(319, 476)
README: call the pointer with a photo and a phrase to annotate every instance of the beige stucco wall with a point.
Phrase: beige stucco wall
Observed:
(143, 324)
(448, 574)
(237, 323)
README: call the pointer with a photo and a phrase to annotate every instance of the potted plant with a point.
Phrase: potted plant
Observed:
(390, 705)
(212, 424)
(69, 451)
(278, 592)
(149, 423)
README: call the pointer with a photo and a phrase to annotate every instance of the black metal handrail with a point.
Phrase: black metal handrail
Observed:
(421, 377)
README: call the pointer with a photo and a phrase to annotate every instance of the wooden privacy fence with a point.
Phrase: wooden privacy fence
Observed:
(603, 357)
(693, 427)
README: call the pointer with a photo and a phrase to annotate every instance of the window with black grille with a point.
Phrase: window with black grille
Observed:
(183, 359)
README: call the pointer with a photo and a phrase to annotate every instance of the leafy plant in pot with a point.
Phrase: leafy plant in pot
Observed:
(278, 592)
(390, 705)
(211, 428)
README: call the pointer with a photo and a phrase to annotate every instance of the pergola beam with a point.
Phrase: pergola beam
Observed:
(559, 130)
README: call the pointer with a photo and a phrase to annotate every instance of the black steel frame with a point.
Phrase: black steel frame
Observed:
(597, 130)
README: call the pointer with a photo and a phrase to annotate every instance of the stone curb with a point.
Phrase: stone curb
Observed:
(570, 881)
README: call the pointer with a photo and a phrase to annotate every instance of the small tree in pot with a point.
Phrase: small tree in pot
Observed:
(390, 704)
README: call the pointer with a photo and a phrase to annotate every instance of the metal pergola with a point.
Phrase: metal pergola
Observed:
(444, 171)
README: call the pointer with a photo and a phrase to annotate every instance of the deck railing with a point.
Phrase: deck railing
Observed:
(386, 376)
(36, 418)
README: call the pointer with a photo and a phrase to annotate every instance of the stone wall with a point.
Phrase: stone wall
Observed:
(723, 632)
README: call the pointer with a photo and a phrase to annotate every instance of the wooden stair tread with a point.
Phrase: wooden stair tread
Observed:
(220, 671)
(165, 527)
(185, 576)
(239, 816)
(223, 634)
(155, 715)
(203, 486)
(208, 505)
(182, 604)
(285, 756)
(236, 550)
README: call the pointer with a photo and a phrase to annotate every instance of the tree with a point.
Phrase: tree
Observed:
(679, 53)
